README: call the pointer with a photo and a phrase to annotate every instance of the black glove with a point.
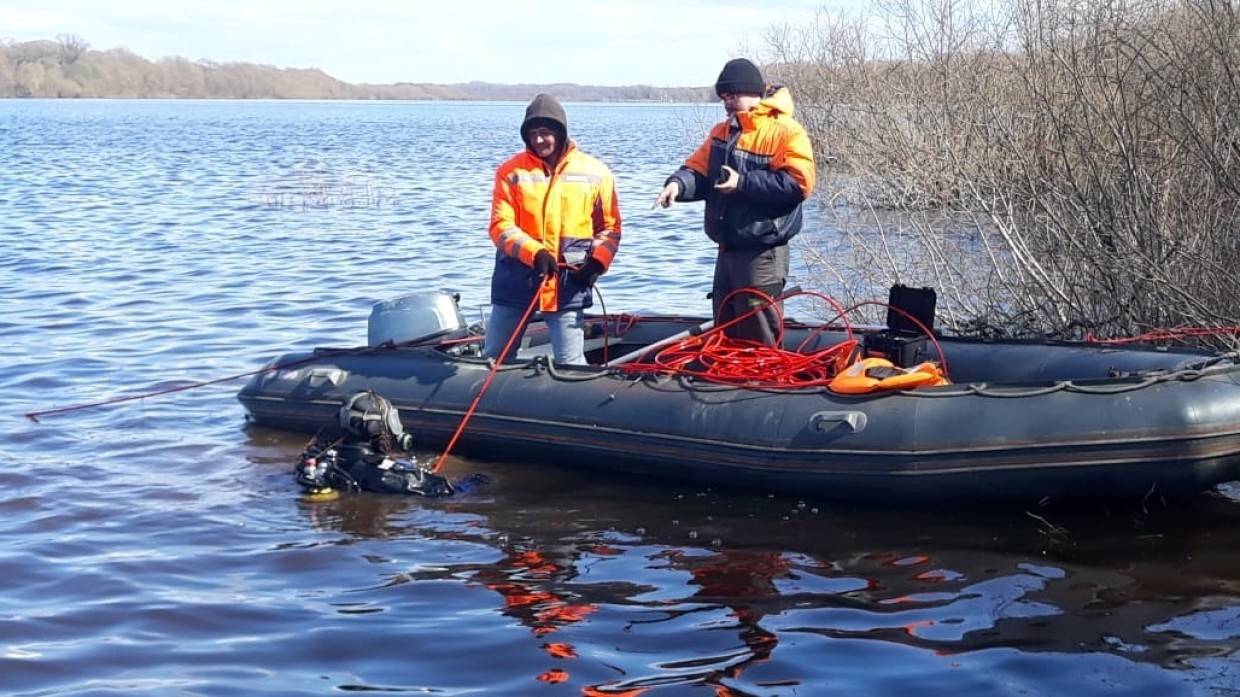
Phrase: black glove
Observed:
(544, 264)
(587, 274)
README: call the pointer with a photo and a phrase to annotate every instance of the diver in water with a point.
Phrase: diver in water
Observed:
(358, 452)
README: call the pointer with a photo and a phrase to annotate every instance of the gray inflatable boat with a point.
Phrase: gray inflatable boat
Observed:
(1027, 422)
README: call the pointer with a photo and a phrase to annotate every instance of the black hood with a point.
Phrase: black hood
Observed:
(546, 111)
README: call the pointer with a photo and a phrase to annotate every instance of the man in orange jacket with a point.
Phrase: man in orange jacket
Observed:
(555, 222)
(754, 170)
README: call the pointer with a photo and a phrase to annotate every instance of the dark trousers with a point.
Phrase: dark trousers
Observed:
(765, 269)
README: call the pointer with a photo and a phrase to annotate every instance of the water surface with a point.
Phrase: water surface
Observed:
(159, 547)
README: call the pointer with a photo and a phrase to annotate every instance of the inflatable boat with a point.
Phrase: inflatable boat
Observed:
(1018, 421)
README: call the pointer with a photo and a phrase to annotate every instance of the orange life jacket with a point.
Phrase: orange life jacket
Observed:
(876, 374)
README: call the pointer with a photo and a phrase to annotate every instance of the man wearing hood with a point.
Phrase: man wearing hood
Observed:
(555, 222)
(754, 170)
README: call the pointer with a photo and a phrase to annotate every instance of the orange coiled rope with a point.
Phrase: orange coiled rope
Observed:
(716, 357)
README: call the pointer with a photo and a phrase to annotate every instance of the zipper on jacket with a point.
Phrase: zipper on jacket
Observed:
(554, 171)
(729, 147)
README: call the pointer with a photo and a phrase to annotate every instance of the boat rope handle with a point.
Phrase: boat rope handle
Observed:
(1165, 334)
(982, 389)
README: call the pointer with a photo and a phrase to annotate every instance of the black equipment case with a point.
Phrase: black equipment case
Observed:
(903, 342)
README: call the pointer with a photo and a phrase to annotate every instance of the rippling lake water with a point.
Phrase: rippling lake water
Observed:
(159, 547)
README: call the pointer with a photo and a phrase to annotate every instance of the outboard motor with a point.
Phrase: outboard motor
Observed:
(415, 317)
(357, 453)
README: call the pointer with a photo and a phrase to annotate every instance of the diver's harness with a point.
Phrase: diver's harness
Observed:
(357, 453)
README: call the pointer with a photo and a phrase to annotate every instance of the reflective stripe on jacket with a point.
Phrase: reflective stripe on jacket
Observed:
(772, 153)
(572, 212)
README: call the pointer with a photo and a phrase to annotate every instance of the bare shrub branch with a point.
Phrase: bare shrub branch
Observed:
(1052, 166)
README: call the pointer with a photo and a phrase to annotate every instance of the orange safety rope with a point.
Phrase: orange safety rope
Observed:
(499, 361)
(715, 357)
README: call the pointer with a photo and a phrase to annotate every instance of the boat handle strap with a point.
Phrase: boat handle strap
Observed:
(854, 421)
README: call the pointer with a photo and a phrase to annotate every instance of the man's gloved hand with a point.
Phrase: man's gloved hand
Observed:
(589, 271)
(544, 264)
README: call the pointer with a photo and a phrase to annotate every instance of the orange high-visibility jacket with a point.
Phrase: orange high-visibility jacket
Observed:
(775, 160)
(572, 212)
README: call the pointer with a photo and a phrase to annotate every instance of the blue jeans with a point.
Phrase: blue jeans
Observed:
(567, 335)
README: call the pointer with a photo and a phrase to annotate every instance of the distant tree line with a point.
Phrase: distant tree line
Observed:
(68, 67)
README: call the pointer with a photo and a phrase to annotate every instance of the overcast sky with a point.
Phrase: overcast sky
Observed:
(656, 42)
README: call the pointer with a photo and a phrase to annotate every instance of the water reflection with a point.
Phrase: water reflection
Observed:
(624, 590)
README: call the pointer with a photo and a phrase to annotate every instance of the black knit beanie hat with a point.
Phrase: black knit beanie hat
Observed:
(740, 76)
(545, 112)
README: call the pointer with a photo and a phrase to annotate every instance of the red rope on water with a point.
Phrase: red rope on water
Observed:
(499, 361)
(1171, 334)
(34, 415)
(317, 356)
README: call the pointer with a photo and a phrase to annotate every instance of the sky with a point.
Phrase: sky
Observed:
(616, 42)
